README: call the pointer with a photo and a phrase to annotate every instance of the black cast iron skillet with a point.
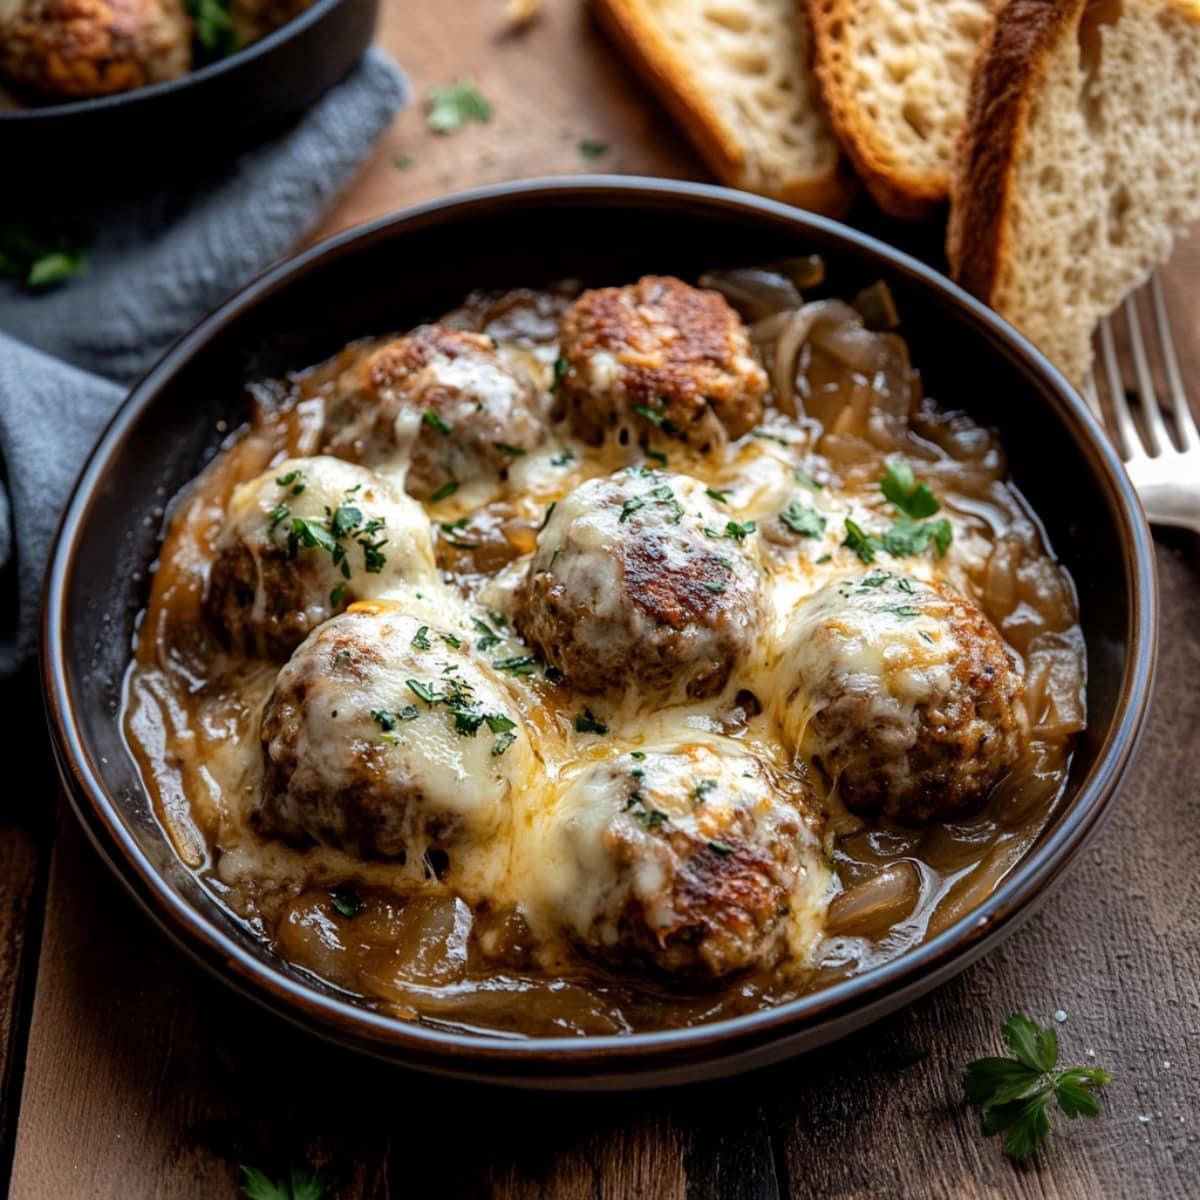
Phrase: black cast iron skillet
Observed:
(411, 267)
(85, 145)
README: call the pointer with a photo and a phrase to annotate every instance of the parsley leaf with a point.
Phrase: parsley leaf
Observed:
(590, 148)
(1014, 1094)
(907, 537)
(801, 519)
(450, 106)
(435, 420)
(40, 258)
(862, 543)
(444, 492)
(347, 901)
(561, 367)
(214, 26)
(301, 1184)
(900, 486)
(586, 723)
(737, 532)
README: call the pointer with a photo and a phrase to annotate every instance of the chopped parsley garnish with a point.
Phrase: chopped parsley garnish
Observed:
(549, 512)
(566, 457)
(337, 596)
(421, 638)
(630, 507)
(561, 367)
(637, 755)
(39, 258)
(906, 537)
(434, 420)
(451, 640)
(520, 664)
(825, 558)
(802, 519)
(591, 148)
(499, 724)
(402, 161)
(900, 486)
(807, 480)
(445, 491)
(490, 636)
(294, 480)
(423, 691)
(767, 436)
(1014, 1094)
(502, 743)
(714, 587)
(511, 451)
(905, 610)
(862, 543)
(449, 106)
(658, 456)
(214, 26)
(649, 414)
(722, 848)
(716, 494)
(347, 901)
(280, 512)
(652, 818)
(300, 1184)
(466, 722)
(737, 532)
(703, 788)
(586, 723)
(346, 518)
(384, 720)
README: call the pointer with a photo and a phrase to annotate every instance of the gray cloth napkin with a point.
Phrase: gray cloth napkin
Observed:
(159, 263)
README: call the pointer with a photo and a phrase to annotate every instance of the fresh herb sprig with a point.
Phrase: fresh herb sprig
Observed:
(302, 1183)
(40, 258)
(1014, 1094)
(450, 106)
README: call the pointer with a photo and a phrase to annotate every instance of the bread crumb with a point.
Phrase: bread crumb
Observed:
(521, 13)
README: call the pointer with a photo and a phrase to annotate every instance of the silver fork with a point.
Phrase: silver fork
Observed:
(1167, 478)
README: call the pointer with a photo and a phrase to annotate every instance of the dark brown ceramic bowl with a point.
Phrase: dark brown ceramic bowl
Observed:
(409, 268)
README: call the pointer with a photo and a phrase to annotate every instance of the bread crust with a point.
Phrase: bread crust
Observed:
(908, 195)
(1008, 72)
(644, 47)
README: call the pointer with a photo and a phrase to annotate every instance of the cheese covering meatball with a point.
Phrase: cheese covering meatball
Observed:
(304, 540)
(637, 581)
(903, 693)
(688, 857)
(93, 47)
(658, 355)
(382, 738)
(447, 399)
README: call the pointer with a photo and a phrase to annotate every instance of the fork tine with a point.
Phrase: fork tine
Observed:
(1185, 422)
(1092, 397)
(1116, 393)
(1160, 439)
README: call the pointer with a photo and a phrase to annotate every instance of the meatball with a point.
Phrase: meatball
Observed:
(686, 857)
(638, 580)
(383, 738)
(446, 400)
(68, 48)
(903, 693)
(658, 354)
(305, 539)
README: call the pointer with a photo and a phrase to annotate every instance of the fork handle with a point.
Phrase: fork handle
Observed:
(1165, 505)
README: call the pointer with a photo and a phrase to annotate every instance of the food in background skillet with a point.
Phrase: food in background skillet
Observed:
(76, 49)
(691, 718)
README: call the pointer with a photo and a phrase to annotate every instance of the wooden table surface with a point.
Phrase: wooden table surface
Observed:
(125, 1072)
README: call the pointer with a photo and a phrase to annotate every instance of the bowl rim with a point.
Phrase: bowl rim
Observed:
(35, 114)
(428, 1046)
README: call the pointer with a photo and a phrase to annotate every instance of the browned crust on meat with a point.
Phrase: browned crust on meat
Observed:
(689, 105)
(1008, 72)
(898, 191)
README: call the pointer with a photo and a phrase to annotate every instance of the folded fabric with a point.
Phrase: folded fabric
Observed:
(159, 263)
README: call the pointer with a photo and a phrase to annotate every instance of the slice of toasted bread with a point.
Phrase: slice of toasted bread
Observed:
(1079, 164)
(735, 75)
(894, 77)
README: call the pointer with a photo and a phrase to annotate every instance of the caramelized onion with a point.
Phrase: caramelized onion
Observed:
(871, 908)
(753, 291)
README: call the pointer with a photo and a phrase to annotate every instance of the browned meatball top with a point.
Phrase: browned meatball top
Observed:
(448, 398)
(94, 47)
(903, 692)
(658, 355)
(637, 582)
(689, 857)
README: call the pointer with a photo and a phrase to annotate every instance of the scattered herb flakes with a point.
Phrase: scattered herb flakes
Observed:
(716, 588)
(702, 788)
(502, 743)
(337, 596)
(279, 513)
(649, 414)
(511, 451)
(767, 436)
(347, 901)
(498, 723)
(905, 610)
(802, 519)
(449, 106)
(899, 485)
(806, 480)
(637, 755)
(451, 640)
(907, 537)
(565, 457)
(519, 664)
(294, 480)
(585, 722)
(722, 848)
(825, 558)
(490, 637)
(657, 456)
(737, 532)
(1014, 1094)
(423, 691)
(864, 544)
(561, 367)
(435, 420)
(630, 507)
(402, 161)
(591, 148)
(717, 494)
(41, 258)
(214, 26)
(445, 491)
(651, 818)
(549, 512)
